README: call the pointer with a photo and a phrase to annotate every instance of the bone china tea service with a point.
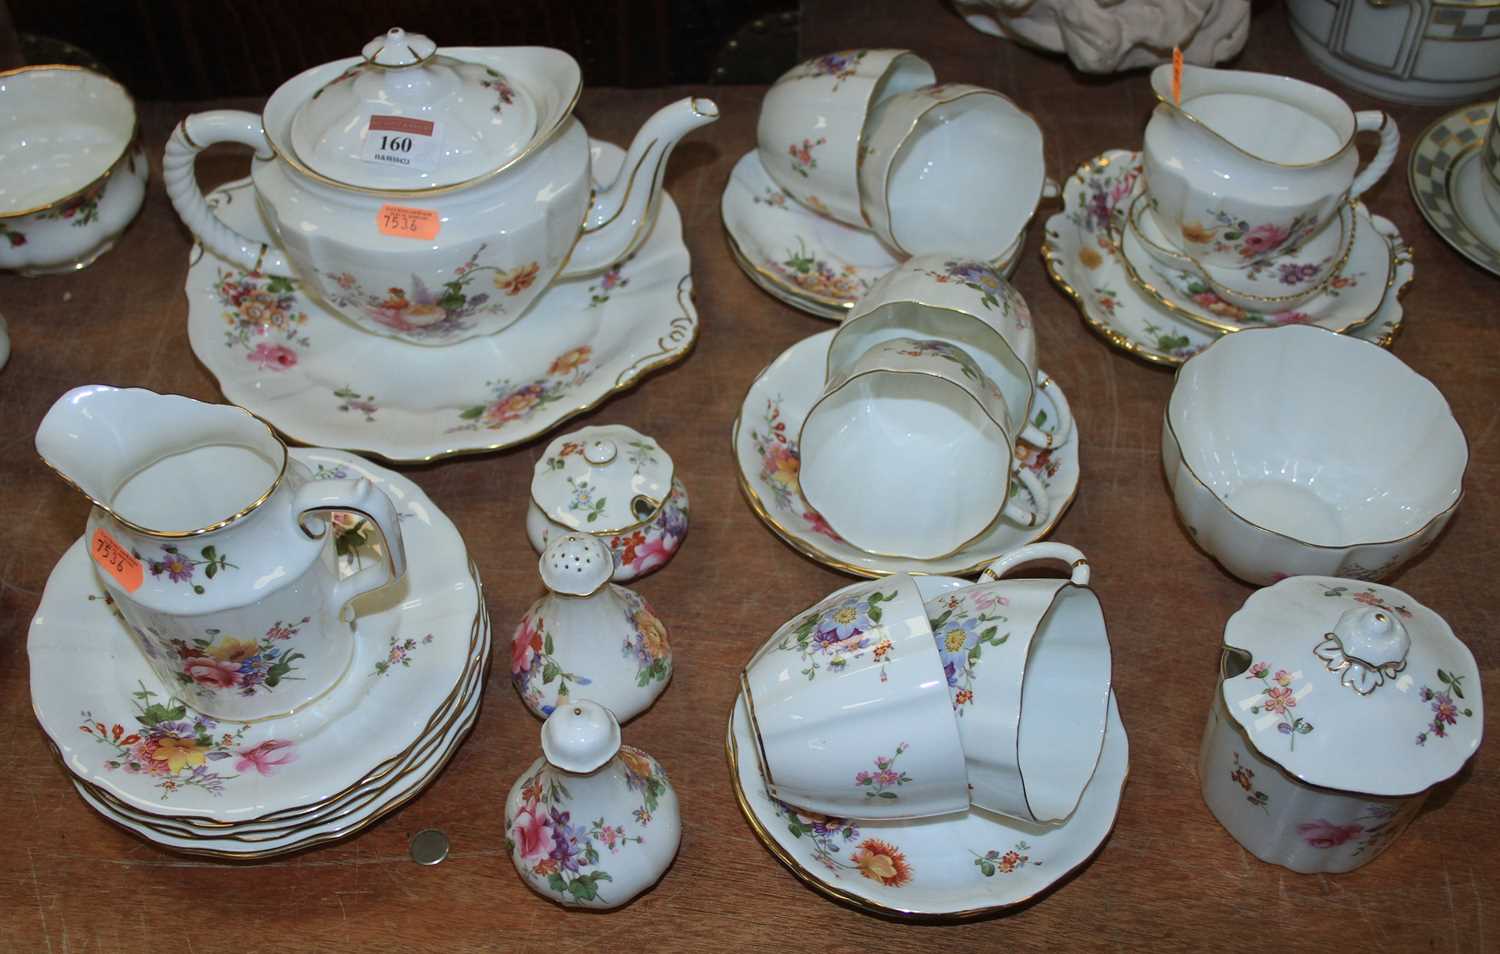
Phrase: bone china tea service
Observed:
(72, 167)
(215, 546)
(1271, 490)
(1341, 704)
(430, 194)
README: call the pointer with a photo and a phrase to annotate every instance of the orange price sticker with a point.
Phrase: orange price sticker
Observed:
(116, 560)
(1177, 76)
(404, 222)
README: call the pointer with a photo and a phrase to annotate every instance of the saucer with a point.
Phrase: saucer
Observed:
(1087, 266)
(320, 380)
(804, 259)
(412, 783)
(765, 446)
(946, 868)
(1444, 173)
(92, 691)
(1353, 295)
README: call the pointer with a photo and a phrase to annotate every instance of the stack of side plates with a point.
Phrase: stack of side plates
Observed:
(155, 767)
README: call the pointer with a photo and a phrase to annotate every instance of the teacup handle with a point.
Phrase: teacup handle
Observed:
(192, 136)
(1032, 552)
(1037, 437)
(364, 498)
(1028, 516)
(1376, 121)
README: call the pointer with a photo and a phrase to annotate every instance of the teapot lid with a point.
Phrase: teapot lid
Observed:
(1353, 686)
(408, 117)
(602, 479)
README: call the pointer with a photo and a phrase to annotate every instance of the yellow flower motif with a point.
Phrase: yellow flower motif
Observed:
(954, 640)
(1196, 233)
(230, 649)
(653, 634)
(1090, 258)
(178, 753)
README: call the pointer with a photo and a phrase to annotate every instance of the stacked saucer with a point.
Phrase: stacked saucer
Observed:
(148, 763)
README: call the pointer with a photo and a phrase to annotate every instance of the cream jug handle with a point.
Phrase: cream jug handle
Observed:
(364, 498)
(1032, 552)
(191, 137)
(1373, 120)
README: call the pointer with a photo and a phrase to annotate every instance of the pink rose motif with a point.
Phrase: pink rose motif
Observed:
(533, 833)
(208, 671)
(1325, 834)
(524, 646)
(1263, 239)
(657, 549)
(272, 357)
(264, 758)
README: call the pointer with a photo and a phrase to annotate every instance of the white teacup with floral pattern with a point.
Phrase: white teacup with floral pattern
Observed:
(1028, 670)
(970, 305)
(908, 453)
(811, 130)
(216, 547)
(850, 709)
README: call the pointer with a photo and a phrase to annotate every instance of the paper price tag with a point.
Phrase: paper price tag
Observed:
(401, 141)
(116, 560)
(404, 222)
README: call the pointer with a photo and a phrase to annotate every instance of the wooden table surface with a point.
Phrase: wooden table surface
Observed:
(1168, 877)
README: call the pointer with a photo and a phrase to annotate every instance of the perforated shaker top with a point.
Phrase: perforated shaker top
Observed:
(576, 564)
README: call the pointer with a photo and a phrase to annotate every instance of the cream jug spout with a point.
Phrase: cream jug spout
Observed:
(623, 210)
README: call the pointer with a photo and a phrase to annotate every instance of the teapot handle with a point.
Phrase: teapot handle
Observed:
(191, 137)
(1373, 120)
(1032, 552)
(364, 498)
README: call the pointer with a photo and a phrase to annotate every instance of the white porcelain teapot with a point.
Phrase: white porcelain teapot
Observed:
(430, 194)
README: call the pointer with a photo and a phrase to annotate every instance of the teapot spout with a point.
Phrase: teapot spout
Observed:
(622, 212)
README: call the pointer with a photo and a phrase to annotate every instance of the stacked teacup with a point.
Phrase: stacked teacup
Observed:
(867, 138)
(911, 450)
(1250, 183)
(875, 705)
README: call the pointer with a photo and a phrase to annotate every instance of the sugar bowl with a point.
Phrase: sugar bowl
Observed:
(617, 484)
(1341, 704)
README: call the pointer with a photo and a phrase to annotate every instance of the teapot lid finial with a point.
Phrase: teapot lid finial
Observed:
(396, 48)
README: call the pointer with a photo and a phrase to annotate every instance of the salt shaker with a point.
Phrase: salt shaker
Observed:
(588, 633)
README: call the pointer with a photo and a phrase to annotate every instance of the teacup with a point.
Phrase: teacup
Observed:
(850, 708)
(907, 452)
(1028, 670)
(74, 171)
(1250, 165)
(951, 168)
(1489, 158)
(1282, 283)
(812, 121)
(965, 303)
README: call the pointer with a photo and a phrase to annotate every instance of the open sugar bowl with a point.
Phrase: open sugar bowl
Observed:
(1341, 704)
(1296, 450)
(617, 484)
(74, 172)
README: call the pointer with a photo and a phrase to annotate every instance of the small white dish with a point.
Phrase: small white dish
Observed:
(764, 438)
(320, 380)
(415, 647)
(1274, 477)
(1446, 172)
(803, 259)
(949, 868)
(74, 168)
(1086, 264)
